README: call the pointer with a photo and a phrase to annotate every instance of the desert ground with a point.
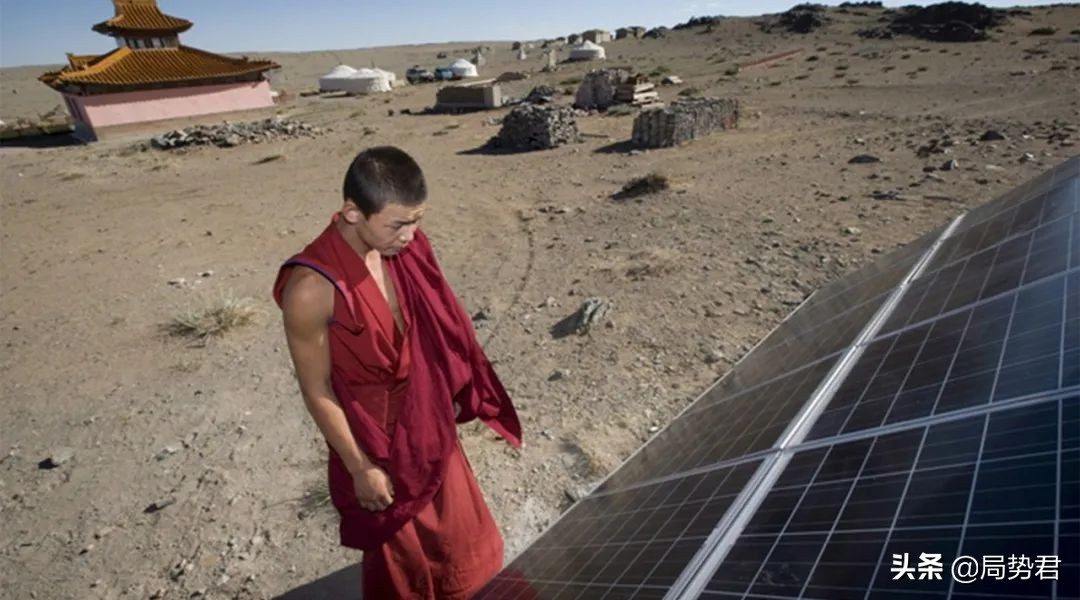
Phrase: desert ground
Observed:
(190, 469)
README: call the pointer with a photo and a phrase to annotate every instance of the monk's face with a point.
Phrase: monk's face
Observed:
(388, 230)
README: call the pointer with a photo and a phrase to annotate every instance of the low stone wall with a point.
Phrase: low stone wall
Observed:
(532, 127)
(684, 120)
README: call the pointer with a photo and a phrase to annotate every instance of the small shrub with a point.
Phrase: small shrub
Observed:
(642, 186)
(216, 318)
(1043, 31)
(570, 81)
(690, 91)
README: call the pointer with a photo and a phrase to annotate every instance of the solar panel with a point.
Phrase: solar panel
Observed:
(998, 484)
(928, 404)
(1019, 344)
(631, 542)
(979, 214)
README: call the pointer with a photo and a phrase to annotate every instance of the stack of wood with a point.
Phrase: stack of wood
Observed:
(637, 91)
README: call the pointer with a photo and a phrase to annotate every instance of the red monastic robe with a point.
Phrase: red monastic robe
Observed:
(398, 390)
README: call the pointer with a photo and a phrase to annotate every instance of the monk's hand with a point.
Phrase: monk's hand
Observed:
(373, 489)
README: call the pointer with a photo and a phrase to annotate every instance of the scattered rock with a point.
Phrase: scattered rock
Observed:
(714, 356)
(166, 452)
(885, 194)
(950, 165)
(158, 505)
(992, 135)
(559, 375)
(228, 135)
(576, 492)
(541, 94)
(57, 457)
(863, 159)
(591, 312)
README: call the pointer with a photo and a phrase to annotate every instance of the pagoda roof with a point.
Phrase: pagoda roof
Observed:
(141, 17)
(126, 67)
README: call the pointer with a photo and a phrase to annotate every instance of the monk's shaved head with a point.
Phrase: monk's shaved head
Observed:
(382, 175)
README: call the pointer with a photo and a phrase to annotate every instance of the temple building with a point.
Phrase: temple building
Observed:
(151, 76)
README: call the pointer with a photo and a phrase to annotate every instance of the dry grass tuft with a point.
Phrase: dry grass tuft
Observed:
(214, 319)
(316, 497)
(642, 186)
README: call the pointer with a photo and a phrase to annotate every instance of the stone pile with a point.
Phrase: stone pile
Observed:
(534, 127)
(684, 120)
(541, 94)
(945, 22)
(802, 18)
(600, 88)
(227, 135)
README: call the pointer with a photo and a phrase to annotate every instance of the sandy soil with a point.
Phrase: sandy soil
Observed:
(758, 218)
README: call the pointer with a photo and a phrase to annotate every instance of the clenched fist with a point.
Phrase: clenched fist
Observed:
(373, 489)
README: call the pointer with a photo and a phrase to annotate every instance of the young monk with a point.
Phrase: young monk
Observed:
(387, 362)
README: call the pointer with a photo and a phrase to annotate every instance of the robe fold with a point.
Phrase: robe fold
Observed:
(398, 389)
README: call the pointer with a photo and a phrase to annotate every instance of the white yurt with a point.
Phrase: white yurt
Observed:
(369, 81)
(587, 51)
(334, 81)
(463, 68)
(389, 76)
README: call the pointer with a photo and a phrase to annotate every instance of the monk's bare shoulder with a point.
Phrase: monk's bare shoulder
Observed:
(307, 300)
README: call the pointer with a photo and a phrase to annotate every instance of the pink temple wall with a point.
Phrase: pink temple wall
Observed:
(106, 110)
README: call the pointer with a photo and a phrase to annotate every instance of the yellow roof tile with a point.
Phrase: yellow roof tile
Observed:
(126, 67)
(141, 16)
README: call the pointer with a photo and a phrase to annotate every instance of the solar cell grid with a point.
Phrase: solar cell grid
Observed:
(826, 323)
(1025, 191)
(718, 431)
(1024, 343)
(1061, 201)
(637, 539)
(996, 484)
(1042, 253)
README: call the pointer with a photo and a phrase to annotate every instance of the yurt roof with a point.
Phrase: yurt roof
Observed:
(369, 74)
(341, 71)
(461, 63)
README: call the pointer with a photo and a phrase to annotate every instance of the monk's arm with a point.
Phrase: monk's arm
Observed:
(307, 305)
